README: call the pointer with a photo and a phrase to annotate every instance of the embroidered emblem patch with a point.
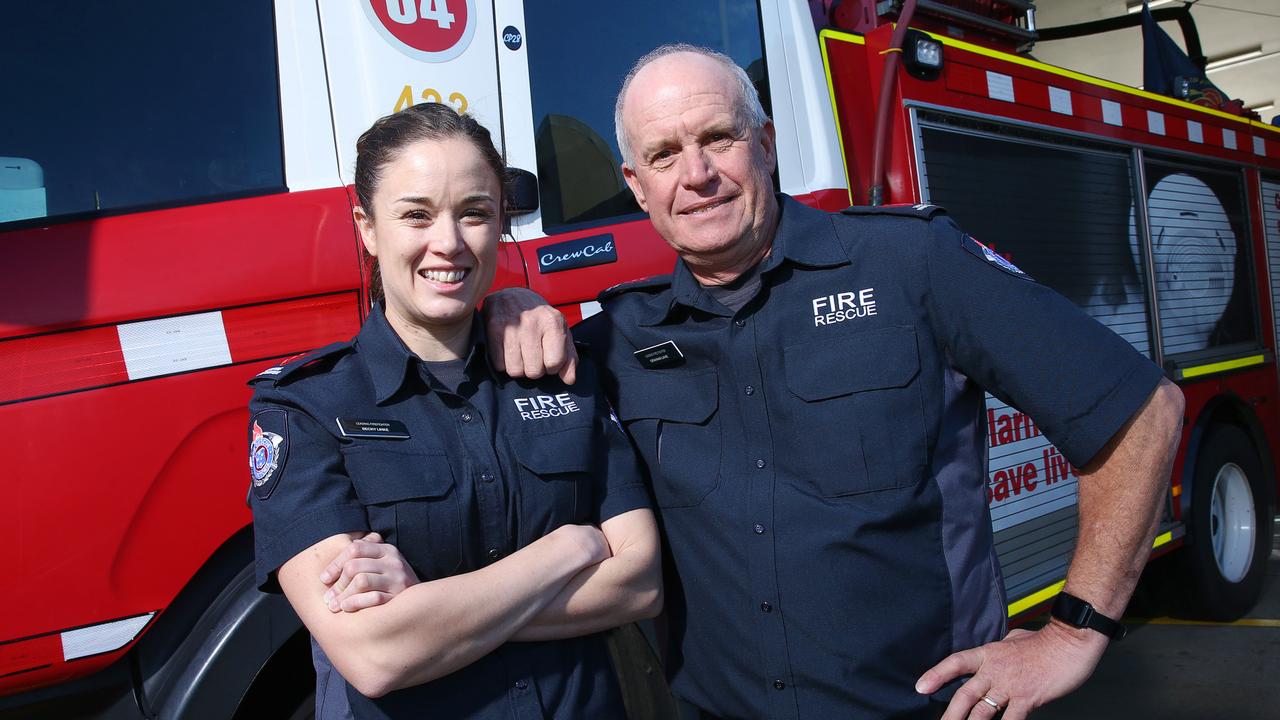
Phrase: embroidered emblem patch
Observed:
(983, 252)
(540, 407)
(264, 453)
(267, 451)
(839, 307)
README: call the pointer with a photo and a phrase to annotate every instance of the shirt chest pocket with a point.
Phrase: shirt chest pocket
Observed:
(673, 419)
(858, 417)
(412, 501)
(555, 478)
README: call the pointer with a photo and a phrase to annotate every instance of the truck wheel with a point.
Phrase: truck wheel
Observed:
(306, 709)
(1230, 526)
(285, 687)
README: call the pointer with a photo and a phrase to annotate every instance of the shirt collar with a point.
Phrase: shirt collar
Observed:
(391, 364)
(805, 236)
(661, 305)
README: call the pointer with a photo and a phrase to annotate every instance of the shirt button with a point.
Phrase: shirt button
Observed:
(779, 685)
(740, 322)
(766, 607)
(486, 477)
(758, 528)
(466, 417)
(750, 390)
(760, 463)
(493, 553)
(522, 684)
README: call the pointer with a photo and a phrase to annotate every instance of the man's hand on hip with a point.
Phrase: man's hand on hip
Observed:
(1017, 674)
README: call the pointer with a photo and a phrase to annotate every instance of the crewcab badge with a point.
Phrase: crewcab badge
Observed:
(580, 253)
(373, 429)
(662, 355)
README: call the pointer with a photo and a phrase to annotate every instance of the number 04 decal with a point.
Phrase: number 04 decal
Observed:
(430, 30)
(404, 12)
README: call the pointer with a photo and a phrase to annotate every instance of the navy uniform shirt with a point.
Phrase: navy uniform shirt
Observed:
(818, 457)
(483, 472)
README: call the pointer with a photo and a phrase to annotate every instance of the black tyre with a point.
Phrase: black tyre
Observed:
(1229, 525)
(285, 687)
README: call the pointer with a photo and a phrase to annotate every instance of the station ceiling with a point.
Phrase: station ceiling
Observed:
(1242, 35)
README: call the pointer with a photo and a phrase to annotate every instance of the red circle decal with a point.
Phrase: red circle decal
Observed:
(429, 26)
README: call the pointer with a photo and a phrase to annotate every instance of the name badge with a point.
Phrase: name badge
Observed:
(662, 355)
(376, 429)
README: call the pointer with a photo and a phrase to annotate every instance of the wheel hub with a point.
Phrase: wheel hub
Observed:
(1232, 522)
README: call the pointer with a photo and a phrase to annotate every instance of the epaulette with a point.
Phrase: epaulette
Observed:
(920, 210)
(291, 365)
(657, 282)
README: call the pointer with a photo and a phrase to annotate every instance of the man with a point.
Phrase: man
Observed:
(805, 391)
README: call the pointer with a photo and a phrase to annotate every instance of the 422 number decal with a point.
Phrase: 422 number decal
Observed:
(407, 98)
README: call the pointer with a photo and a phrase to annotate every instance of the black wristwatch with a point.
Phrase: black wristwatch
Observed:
(1078, 613)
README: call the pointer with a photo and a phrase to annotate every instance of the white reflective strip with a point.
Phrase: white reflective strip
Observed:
(1229, 139)
(1195, 132)
(97, 639)
(1259, 146)
(1155, 122)
(1060, 100)
(999, 86)
(589, 309)
(171, 345)
(1111, 113)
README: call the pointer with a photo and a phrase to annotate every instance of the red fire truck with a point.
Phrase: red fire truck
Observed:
(174, 205)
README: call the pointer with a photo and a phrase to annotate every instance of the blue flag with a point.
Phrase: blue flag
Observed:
(1167, 70)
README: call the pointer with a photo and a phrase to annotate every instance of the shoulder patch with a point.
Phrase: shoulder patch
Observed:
(991, 257)
(288, 366)
(268, 450)
(657, 282)
(920, 210)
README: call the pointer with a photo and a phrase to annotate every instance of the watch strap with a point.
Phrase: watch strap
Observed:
(1078, 613)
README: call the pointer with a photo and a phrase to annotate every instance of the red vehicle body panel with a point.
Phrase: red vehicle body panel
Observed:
(118, 524)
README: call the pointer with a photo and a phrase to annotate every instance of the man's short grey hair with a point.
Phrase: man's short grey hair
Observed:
(749, 110)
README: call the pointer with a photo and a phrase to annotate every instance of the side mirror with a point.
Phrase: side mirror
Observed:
(522, 192)
(22, 191)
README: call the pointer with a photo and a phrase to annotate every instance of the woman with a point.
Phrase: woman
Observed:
(519, 504)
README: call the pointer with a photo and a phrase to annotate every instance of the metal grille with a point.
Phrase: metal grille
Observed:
(1271, 229)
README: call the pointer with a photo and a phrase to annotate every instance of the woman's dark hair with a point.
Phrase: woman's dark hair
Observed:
(383, 141)
(388, 135)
